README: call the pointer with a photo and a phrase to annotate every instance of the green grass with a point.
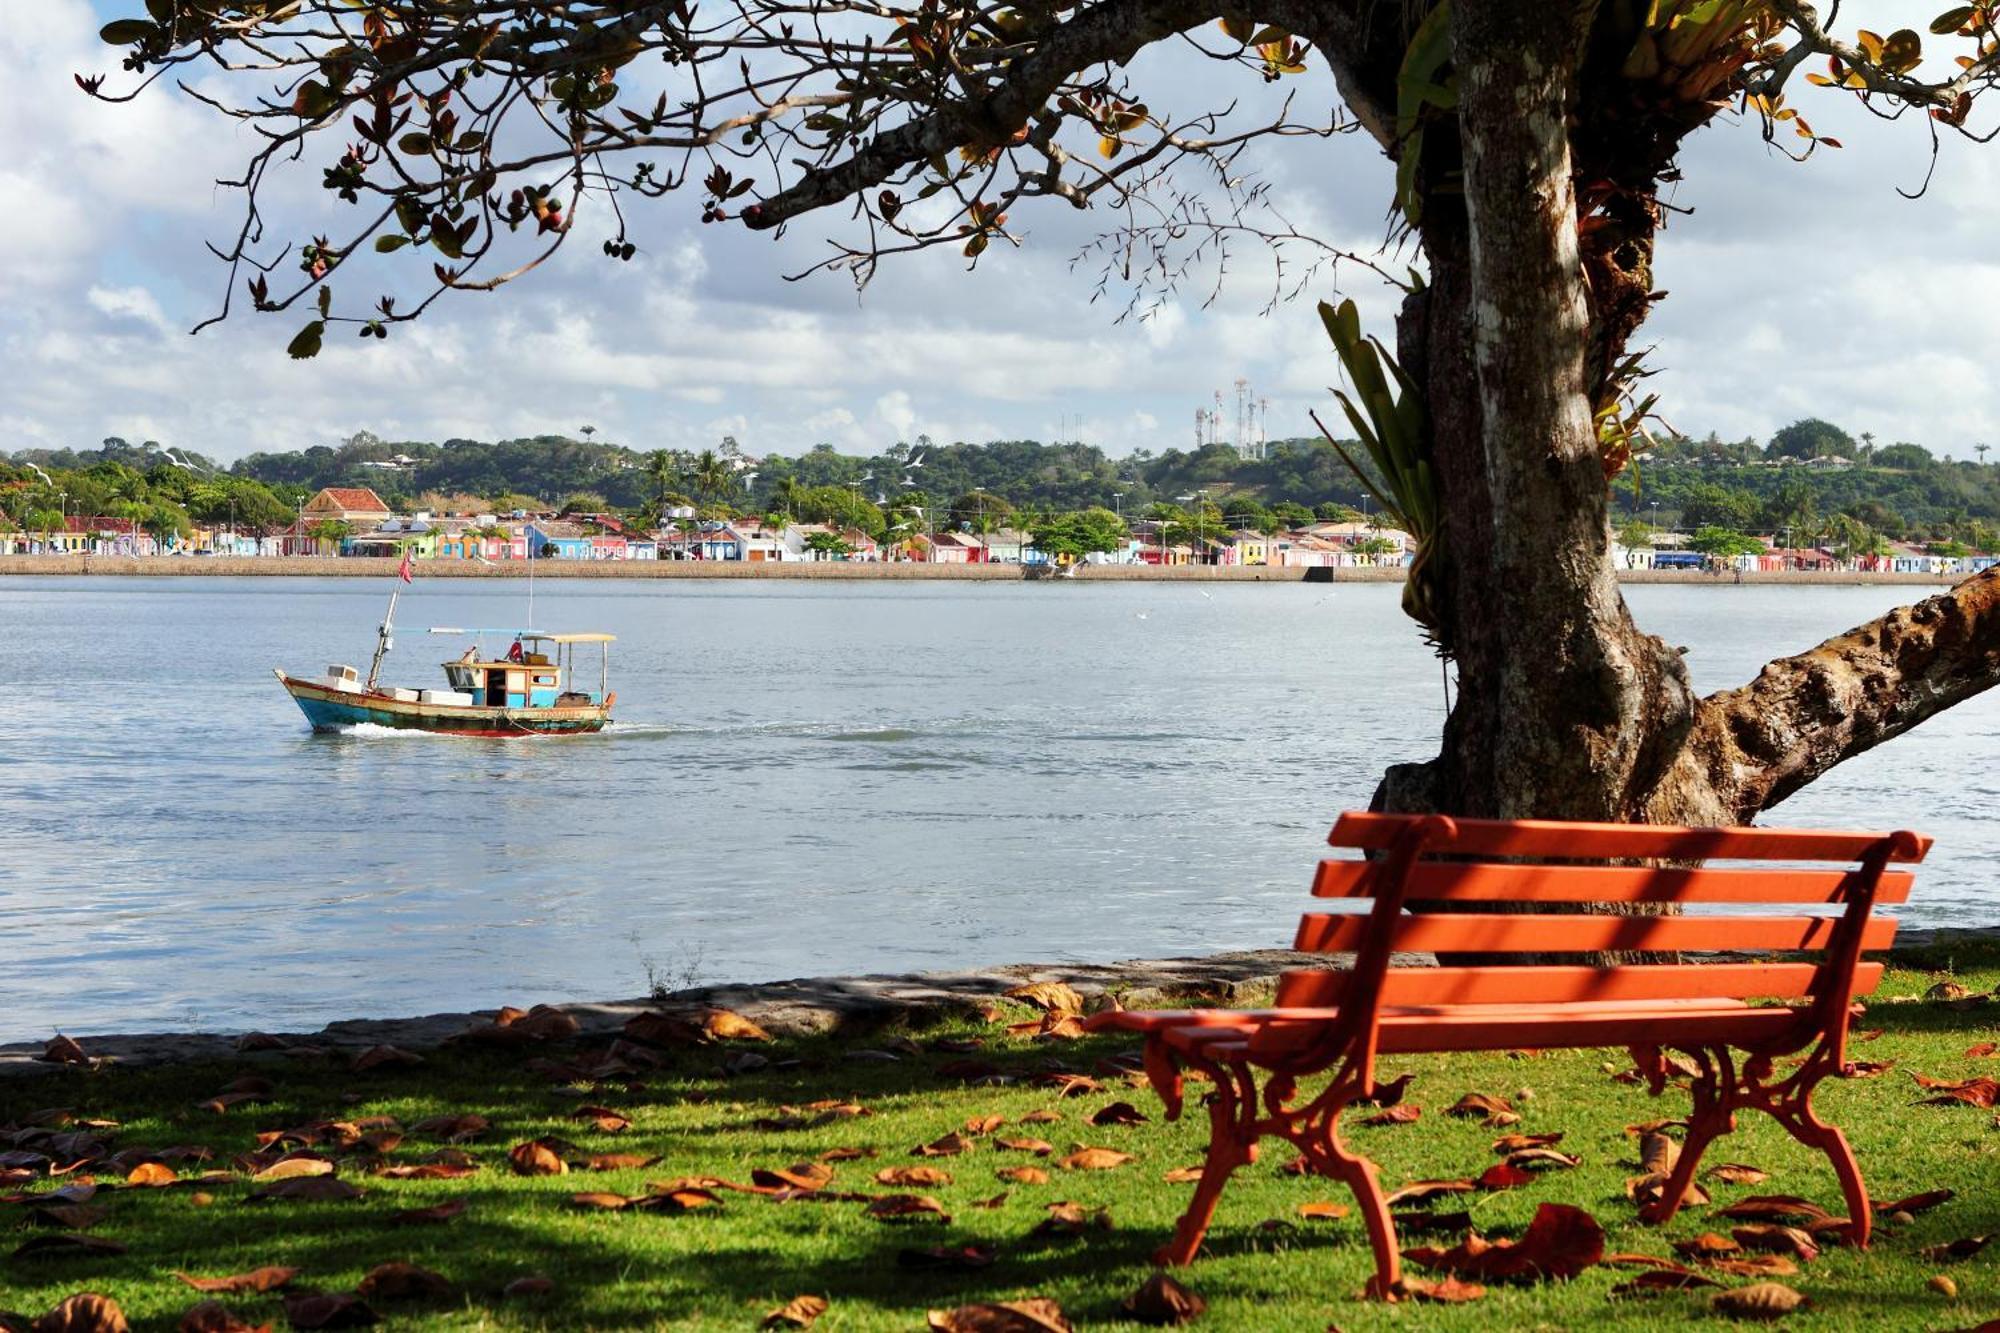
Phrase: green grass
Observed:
(724, 1268)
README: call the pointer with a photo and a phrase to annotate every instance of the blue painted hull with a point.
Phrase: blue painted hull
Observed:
(335, 710)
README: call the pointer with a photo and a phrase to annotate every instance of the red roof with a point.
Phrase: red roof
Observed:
(96, 523)
(358, 498)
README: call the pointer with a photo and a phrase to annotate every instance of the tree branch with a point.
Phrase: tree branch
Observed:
(1805, 714)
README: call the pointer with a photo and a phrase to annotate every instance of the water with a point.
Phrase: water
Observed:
(805, 779)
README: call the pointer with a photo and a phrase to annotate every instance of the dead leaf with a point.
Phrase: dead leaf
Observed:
(1918, 1203)
(603, 1199)
(437, 1212)
(1181, 1175)
(1406, 1114)
(427, 1171)
(803, 1176)
(382, 1057)
(1981, 1092)
(1432, 1224)
(1445, 1291)
(798, 1312)
(1323, 1212)
(1738, 1173)
(1095, 1159)
(1039, 1147)
(1028, 1316)
(907, 1205)
(1023, 1175)
(1421, 1192)
(1754, 1265)
(1493, 1112)
(951, 1145)
(1051, 997)
(1041, 1117)
(1866, 1068)
(1502, 1176)
(402, 1282)
(1540, 1159)
(1962, 1248)
(616, 1161)
(151, 1175)
(912, 1176)
(212, 1316)
(1560, 1242)
(1776, 1208)
(602, 1118)
(984, 1124)
(686, 1199)
(1946, 991)
(1387, 1092)
(1164, 1302)
(453, 1128)
(1759, 1300)
(1708, 1245)
(293, 1168)
(337, 1309)
(1507, 1143)
(269, 1278)
(1777, 1239)
(306, 1189)
(948, 1258)
(1117, 1113)
(728, 1025)
(63, 1050)
(65, 1244)
(536, 1158)
(1982, 1050)
(1658, 1153)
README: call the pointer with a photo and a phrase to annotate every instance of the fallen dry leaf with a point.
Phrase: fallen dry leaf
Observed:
(619, 1161)
(1023, 1175)
(453, 1128)
(602, 1118)
(1738, 1173)
(1708, 1245)
(1540, 1159)
(1181, 1175)
(383, 1057)
(1039, 1147)
(1759, 1300)
(1776, 1208)
(984, 1124)
(64, 1245)
(1445, 1291)
(601, 1199)
(402, 1282)
(85, 1312)
(338, 1309)
(1493, 1112)
(63, 1050)
(1560, 1242)
(150, 1175)
(891, 1206)
(1041, 1117)
(1051, 997)
(294, 1168)
(536, 1158)
(912, 1176)
(798, 1312)
(1507, 1143)
(1982, 1050)
(1117, 1113)
(269, 1278)
(1095, 1159)
(1164, 1302)
(1323, 1212)
(212, 1316)
(1029, 1316)
(1777, 1239)
(1405, 1114)
(1962, 1248)
(806, 1176)
(1421, 1192)
(1754, 1265)
(1866, 1068)
(951, 1145)
(1981, 1092)
(1918, 1203)
(427, 1171)
(1503, 1176)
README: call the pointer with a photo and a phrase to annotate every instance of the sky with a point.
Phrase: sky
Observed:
(1795, 290)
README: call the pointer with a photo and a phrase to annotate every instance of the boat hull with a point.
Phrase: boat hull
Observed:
(331, 710)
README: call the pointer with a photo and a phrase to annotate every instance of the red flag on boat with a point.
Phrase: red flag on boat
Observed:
(404, 572)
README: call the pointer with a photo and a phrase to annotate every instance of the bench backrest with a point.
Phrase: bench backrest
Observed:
(1424, 861)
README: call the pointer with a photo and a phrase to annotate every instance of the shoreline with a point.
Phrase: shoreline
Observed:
(375, 567)
(798, 1007)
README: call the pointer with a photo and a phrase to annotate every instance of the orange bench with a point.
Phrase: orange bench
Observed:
(1337, 1022)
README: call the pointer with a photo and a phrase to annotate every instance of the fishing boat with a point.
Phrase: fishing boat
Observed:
(528, 690)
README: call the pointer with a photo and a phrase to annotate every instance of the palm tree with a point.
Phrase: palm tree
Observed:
(712, 476)
(1981, 449)
(660, 467)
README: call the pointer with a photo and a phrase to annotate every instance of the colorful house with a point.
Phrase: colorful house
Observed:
(558, 539)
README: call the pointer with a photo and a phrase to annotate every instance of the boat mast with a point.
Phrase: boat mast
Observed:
(383, 641)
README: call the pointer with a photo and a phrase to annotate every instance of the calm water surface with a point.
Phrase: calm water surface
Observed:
(805, 779)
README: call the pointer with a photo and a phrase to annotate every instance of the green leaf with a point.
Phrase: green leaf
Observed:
(306, 345)
(1952, 20)
(127, 32)
(416, 144)
(385, 245)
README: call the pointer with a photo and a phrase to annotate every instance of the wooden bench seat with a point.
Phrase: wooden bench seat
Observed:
(1735, 1016)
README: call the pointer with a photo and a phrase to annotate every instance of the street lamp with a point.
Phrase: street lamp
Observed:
(1654, 527)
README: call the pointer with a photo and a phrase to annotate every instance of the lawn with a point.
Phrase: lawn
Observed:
(726, 1258)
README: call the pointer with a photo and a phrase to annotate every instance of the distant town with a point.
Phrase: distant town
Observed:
(1812, 499)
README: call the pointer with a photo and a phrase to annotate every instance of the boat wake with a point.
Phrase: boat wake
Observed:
(376, 731)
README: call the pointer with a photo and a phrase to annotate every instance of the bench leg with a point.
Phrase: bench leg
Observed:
(1810, 1130)
(1704, 1127)
(1319, 1138)
(1229, 1146)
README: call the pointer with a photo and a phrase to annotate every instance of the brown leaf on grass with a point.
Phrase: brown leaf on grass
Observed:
(536, 1158)
(294, 1168)
(1163, 1302)
(846, 1154)
(402, 1282)
(1181, 1175)
(1491, 1111)
(1029, 1316)
(951, 1145)
(1776, 1238)
(332, 1309)
(618, 1161)
(600, 1199)
(1065, 1085)
(427, 1171)
(676, 1199)
(1560, 1242)
(548, 1024)
(1759, 1300)
(1419, 1192)
(1866, 1068)
(1405, 1114)
(1387, 1092)
(1982, 1050)
(1419, 1223)
(1051, 997)
(1023, 1175)
(532, 1285)
(1323, 1212)
(1776, 1208)
(269, 1278)
(1962, 1248)
(805, 1176)
(1657, 1153)
(984, 1124)
(947, 1258)
(85, 1312)
(1508, 1143)
(453, 1128)
(306, 1189)
(65, 1244)
(1503, 1176)
(1738, 1173)
(1095, 1159)
(602, 1118)
(997, 1201)
(1945, 991)
(1708, 1245)
(1540, 1159)
(892, 1206)
(1039, 1147)
(1067, 1219)
(1117, 1113)
(222, 1102)
(437, 1212)
(1042, 1117)
(63, 1050)
(1649, 1188)
(150, 1175)
(1052, 1027)
(384, 1057)
(212, 1316)
(1981, 1092)
(1658, 1280)
(1755, 1265)
(909, 1177)
(1917, 1203)
(798, 1312)
(1445, 1291)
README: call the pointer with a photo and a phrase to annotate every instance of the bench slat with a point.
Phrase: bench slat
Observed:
(1322, 932)
(1560, 838)
(1570, 985)
(1479, 882)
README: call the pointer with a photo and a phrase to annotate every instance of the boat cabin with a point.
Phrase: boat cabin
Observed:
(537, 672)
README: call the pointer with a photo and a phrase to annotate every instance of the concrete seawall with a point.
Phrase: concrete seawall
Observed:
(385, 567)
